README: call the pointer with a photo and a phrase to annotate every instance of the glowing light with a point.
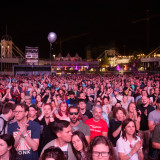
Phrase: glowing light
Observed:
(118, 68)
(76, 68)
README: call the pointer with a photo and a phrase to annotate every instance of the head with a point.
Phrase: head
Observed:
(119, 113)
(128, 128)
(125, 98)
(116, 92)
(158, 103)
(38, 98)
(63, 130)
(79, 143)
(7, 145)
(131, 107)
(82, 96)
(145, 100)
(82, 104)
(105, 100)
(74, 114)
(32, 111)
(27, 99)
(97, 112)
(53, 153)
(118, 104)
(47, 110)
(21, 112)
(71, 94)
(8, 109)
(100, 148)
(63, 109)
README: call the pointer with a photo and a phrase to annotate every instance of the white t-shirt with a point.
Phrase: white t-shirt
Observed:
(123, 146)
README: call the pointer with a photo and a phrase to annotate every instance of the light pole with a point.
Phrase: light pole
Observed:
(51, 38)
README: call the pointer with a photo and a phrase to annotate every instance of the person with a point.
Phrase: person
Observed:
(116, 98)
(26, 133)
(97, 125)
(63, 112)
(153, 120)
(53, 153)
(134, 114)
(156, 139)
(39, 104)
(76, 124)
(144, 131)
(79, 145)
(7, 150)
(84, 113)
(124, 102)
(6, 117)
(72, 100)
(46, 121)
(119, 115)
(32, 114)
(100, 148)
(28, 101)
(63, 131)
(129, 145)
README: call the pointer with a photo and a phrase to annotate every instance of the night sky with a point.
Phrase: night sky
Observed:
(94, 24)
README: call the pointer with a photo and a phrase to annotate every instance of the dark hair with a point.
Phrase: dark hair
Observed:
(73, 107)
(26, 108)
(84, 142)
(124, 124)
(53, 152)
(71, 93)
(81, 100)
(9, 139)
(100, 140)
(116, 109)
(7, 107)
(59, 125)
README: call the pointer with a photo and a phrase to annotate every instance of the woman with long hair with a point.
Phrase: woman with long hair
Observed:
(63, 112)
(7, 150)
(53, 153)
(46, 121)
(39, 104)
(129, 145)
(100, 147)
(79, 145)
(134, 114)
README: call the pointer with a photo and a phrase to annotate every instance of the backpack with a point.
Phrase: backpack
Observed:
(4, 126)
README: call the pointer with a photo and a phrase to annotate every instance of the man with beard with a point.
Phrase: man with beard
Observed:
(144, 131)
(6, 116)
(76, 124)
(98, 126)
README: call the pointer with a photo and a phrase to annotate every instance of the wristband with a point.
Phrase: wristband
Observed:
(129, 155)
(25, 135)
(119, 128)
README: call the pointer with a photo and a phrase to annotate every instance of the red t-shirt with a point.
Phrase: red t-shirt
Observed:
(97, 128)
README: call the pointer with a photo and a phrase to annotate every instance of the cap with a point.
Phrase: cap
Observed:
(117, 90)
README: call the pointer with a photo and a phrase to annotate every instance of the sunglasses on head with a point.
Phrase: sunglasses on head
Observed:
(71, 113)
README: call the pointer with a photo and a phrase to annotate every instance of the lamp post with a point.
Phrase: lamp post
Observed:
(51, 38)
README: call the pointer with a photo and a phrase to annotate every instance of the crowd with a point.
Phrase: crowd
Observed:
(80, 117)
